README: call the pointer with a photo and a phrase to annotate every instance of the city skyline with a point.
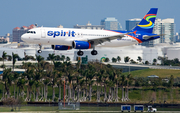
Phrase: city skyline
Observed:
(70, 13)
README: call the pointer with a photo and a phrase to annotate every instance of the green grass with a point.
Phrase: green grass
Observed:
(159, 72)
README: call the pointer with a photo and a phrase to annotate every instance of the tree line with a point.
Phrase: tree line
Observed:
(44, 81)
(164, 61)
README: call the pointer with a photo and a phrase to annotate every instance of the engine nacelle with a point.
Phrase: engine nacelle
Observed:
(81, 45)
(60, 47)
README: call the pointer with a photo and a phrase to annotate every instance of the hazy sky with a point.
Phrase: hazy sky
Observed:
(51, 13)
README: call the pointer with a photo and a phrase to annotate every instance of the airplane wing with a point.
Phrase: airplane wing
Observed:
(100, 40)
(108, 38)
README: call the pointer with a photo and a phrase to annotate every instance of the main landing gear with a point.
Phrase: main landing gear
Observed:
(40, 46)
(80, 53)
(93, 52)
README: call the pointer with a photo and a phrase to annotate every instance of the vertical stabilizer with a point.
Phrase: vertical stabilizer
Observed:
(147, 23)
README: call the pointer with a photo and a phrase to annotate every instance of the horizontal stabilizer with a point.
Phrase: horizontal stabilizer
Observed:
(148, 37)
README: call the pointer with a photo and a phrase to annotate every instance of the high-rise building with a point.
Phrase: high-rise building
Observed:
(131, 23)
(5, 39)
(17, 32)
(167, 27)
(111, 23)
(89, 26)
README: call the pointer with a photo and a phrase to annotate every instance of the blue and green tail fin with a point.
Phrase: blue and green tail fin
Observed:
(147, 23)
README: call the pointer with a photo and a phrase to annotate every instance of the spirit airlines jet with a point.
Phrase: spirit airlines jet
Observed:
(67, 38)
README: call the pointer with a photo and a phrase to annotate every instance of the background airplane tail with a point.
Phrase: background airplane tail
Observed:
(147, 23)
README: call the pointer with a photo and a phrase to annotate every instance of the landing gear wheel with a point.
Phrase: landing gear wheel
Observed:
(80, 53)
(93, 52)
(39, 51)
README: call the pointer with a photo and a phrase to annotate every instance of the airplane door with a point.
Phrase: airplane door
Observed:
(43, 34)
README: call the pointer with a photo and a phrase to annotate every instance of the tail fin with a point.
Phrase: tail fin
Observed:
(147, 23)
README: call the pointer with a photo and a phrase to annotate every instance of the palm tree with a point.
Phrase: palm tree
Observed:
(110, 85)
(128, 83)
(46, 81)
(147, 62)
(51, 57)
(30, 75)
(90, 82)
(30, 86)
(53, 82)
(105, 88)
(85, 74)
(4, 56)
(37, 85)
(9, 57)
(82, 87)
(69, 78)
(154, 61)
(63, 58)
(114, 60)
(38, 75)
(126, 59)
(7, 78)
(98, 81)
(117, 74)
(122, 82)
(118, 58)
(39, 59)
(15, 78)
(107, 59)
(78, 79)
(67, 58)
(67, 70)
(21, 83)
(139, 59)
(57, 58)
(37, 78)
(60, 82)
(14, 57)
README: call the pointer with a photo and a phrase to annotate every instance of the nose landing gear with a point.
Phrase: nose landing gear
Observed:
(40, 46)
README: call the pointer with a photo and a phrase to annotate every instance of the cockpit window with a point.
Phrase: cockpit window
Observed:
(33, 32)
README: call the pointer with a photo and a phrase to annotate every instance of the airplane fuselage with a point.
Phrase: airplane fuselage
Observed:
(65, 36)
(68, 38)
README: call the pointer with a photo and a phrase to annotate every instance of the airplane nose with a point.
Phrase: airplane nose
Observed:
(23, 37)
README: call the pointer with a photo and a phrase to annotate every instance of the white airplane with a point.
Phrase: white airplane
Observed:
(68, 38)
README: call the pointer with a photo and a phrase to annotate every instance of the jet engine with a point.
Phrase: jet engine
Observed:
(60, 47)
(81, 45)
